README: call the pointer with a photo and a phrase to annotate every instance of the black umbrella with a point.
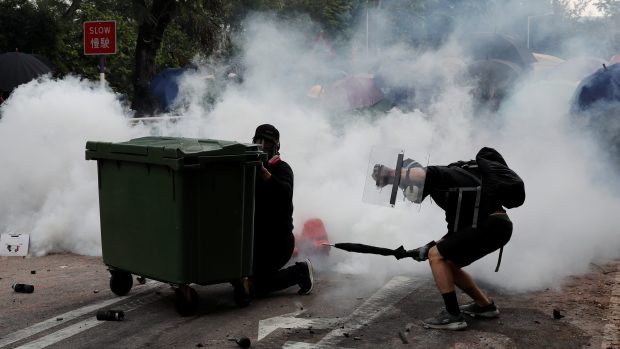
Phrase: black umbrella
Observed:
(399, 252)
(483, 46)
(18, 68)
(492, 80)
(44, 59)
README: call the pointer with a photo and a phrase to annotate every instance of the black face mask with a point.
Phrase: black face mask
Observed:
(271, 152)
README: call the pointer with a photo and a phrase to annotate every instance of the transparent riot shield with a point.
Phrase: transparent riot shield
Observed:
(392, 178)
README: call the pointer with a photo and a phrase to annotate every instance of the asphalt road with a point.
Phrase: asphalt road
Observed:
(344, 311)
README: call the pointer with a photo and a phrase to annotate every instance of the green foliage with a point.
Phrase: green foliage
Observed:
(45, 27)
(27, 28)
(118, 67)
(609, 8)
(53, 28)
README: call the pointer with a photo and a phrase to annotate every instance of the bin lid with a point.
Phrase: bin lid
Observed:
(175, 152)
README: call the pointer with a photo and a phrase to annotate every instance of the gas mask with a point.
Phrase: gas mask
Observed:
(271, 151)
(413, 190)
(414, 194)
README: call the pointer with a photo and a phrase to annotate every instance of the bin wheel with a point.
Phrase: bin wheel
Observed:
(120, 282)
(187, 300)
(243, 291)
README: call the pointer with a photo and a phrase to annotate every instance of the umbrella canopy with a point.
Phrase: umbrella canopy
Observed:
(614, 59)
(543, 58)
(545, 64)
(44, 59)
(483, 46)
(577, 68)
(596, 103)
(493, 80)
(602, 87)
(18, 68)
(352, 92)
(165, 86)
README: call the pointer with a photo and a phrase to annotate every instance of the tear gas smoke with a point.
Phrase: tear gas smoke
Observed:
(50, 191)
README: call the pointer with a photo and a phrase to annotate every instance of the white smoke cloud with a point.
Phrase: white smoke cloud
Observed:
(50, 191)
(46, 186)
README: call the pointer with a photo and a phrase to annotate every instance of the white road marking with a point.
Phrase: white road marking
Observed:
(82, 326)
(375, 306)
(68, 316)
(611, 331)
(302, 345)
(61, 334)
(290, 321)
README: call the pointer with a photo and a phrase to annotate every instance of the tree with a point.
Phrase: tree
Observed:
(153, 21)
(26, 27)
(201, 21)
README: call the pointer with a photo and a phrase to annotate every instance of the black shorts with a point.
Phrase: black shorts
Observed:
(470, 244)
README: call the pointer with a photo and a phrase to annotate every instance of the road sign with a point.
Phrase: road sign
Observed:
(99, 37)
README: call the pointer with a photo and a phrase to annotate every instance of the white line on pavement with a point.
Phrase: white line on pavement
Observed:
(53, 322)
(392, 292)
(60, 335)
(82, 326)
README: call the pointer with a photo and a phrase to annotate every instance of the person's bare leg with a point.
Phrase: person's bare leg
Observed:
(465, 282)
(442, 272)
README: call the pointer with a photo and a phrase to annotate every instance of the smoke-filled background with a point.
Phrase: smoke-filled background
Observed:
(49, 190)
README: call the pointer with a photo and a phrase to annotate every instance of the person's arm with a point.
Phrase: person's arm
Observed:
(413, 175)
(385, 175)
(279, 179)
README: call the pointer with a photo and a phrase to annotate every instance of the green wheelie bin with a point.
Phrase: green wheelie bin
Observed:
(177, 210)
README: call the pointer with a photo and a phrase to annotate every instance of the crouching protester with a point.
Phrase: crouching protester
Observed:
(273, 222)
(473, 195)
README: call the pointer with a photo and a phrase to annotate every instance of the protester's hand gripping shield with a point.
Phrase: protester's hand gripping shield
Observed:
(390, 178)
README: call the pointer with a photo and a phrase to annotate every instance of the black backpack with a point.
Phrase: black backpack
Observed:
(499, 183)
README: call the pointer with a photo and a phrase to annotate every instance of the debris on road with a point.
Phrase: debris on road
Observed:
(403, 337)
(403, 334)
(110, 315)
(23, 288)
(557, 315)
(243, 342)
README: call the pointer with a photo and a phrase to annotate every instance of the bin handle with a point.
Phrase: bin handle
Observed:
(252, 163)
(223, 158)
(244, 164)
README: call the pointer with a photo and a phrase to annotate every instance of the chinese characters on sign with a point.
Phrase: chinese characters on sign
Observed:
(100, 37)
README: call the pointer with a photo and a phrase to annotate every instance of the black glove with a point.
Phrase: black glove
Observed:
(401, 253)
(420, 254)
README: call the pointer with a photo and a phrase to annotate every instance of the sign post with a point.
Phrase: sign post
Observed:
(100, 39)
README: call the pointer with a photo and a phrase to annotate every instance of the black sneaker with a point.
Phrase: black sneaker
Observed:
(307, 277)
(446, 321)
(488, 311)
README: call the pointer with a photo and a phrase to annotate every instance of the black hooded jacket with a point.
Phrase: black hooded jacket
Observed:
(439, 181)
(274, 203)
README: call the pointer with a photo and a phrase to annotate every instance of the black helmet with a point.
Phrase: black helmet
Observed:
(267, 131)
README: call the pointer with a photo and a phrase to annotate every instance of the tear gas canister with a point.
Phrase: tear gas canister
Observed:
(23, 288)
(110, 315)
